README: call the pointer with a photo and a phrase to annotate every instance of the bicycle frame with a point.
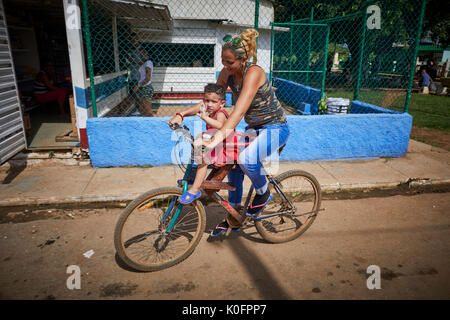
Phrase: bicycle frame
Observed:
(174, 199)
(216, 197)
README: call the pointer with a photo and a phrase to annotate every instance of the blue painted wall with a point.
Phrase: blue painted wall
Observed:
(143, 140)
(304, 98)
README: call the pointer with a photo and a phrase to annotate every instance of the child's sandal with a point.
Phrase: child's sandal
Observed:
(187, 197)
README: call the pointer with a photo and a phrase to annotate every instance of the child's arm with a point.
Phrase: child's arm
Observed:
(215, 123)
(191, 111)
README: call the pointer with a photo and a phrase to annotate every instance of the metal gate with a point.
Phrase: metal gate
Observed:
(299, 59)
(300, 52)
(12, 132)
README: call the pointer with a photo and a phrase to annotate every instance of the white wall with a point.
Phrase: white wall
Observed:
(201, 22)
(238, 11)
(169, 79)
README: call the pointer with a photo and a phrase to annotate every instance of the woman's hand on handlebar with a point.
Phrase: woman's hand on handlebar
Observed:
(201, 144)
(207, 144)
(200, 148)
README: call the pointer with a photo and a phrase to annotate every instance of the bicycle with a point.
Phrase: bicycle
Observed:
(155, 231)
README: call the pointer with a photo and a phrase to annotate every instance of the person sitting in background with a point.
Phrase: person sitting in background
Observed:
(144, 89)
(424, 80)
(432, 69)
(140, 90)
(45, 89)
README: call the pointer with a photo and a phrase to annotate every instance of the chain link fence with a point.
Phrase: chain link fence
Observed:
(359, 49)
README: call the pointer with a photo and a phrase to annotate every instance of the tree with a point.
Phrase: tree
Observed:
(437, 21)
(399, 26)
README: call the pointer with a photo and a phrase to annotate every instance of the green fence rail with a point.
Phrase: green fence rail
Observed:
(354, 49)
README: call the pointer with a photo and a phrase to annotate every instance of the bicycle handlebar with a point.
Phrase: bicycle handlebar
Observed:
(184, 130)
(187, 134)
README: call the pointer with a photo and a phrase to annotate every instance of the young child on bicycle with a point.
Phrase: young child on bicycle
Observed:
(211, 111)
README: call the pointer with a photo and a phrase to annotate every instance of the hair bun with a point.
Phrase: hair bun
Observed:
(249, 36)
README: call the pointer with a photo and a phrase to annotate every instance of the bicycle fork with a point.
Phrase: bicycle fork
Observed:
(169, 209)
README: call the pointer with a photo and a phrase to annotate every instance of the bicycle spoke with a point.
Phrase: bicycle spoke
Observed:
(292, 209)
(145, 241)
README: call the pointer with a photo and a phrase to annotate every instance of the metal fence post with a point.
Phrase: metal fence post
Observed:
(271, 50)
(290, 48)
(256, 21)
(116, 44)
(325, 63)
(361, 54)
(413, 60)
(89, 57)
(311, 19)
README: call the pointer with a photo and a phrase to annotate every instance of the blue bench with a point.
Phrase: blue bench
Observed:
(304, 98)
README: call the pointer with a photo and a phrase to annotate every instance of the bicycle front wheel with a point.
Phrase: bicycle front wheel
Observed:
(142, 239)
(292, 209)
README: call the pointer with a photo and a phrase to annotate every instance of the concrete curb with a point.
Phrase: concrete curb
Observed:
(411, 183)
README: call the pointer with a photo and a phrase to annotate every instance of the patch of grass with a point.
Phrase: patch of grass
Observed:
(428, 111)
(139, 166)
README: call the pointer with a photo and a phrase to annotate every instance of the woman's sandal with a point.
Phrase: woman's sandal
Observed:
(221, 228)
(255, 209)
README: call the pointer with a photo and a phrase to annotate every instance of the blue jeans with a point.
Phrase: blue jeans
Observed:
(269, 139)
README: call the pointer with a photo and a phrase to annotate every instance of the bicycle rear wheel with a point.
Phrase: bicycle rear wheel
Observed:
(140, 235)
(294, 208)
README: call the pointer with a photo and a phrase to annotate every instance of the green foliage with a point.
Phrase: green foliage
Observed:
(437, 20)
(323, 105)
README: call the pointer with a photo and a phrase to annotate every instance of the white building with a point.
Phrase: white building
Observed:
(164, 22)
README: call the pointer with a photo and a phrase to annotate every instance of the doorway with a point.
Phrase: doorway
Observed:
(38, 39)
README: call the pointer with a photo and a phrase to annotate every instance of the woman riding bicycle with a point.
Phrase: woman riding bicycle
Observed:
(257, 104)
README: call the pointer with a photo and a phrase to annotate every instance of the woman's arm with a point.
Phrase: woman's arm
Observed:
(254, 79)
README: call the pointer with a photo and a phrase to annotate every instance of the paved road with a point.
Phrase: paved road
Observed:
(407, 237)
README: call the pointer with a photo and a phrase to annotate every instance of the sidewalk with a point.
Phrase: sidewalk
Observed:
(58, 184)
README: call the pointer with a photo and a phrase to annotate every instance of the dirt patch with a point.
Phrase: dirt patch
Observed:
(387, 274)
(48, 242)
(21, 214)
(117, 290)
(432, 137)
(178, 287)
(427, 272)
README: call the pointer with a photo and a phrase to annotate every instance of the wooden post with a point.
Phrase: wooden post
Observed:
(73, 118)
